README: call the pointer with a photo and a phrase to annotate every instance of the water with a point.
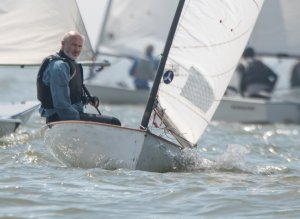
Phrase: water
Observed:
(240, 171)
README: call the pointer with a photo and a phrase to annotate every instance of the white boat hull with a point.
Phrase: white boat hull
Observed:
(8, 126)
(18, 110)
(89, 145)
(114, 95)
(15, 113)
(251, 110)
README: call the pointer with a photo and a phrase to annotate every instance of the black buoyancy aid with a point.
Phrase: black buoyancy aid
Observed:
(258, 72)
(75, 85)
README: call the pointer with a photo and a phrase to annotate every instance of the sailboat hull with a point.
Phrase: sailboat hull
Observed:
(13, 114)
(251, 110)
(8, 126)
(90, 145)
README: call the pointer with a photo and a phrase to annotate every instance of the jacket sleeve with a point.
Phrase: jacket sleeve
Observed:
(59, 85)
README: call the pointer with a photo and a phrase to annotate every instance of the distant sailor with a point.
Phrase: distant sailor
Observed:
(60, 87)
(144, 69)
(295, 78)
(257, 79)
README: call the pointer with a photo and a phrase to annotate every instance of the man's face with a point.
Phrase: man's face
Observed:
(72, 47)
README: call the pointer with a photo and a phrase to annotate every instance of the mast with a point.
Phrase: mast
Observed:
(154, 89)
(101, 35)
(104, 23)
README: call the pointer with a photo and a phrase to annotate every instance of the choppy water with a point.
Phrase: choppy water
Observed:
(243, 171)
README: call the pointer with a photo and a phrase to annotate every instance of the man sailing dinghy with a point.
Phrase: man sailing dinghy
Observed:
(203, 48)
(60, 86)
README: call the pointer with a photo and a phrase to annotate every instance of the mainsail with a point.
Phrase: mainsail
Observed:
(131, 25)
(278, 28)
(209, 40)
(33, 29)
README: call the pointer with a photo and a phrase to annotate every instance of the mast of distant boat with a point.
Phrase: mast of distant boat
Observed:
(159, 74)
(101, 35)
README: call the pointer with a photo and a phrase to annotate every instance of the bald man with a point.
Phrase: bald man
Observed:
(60, 82)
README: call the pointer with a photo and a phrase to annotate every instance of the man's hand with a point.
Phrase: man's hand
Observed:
(94, 101)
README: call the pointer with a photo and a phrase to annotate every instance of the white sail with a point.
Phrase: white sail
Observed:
(133, 24)
(32, 29)
(278, 28)
(209, 41)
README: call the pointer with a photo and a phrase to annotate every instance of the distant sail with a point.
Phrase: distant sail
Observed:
(209, 41)
(133, 24)
(33, 29)
(278, 28)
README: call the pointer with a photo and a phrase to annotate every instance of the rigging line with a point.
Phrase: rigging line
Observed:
(172, 130)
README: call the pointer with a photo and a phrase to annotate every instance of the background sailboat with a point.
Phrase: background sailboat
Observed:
(8, 126)
(275, 39)
(194, 71)
(14, 114)
(129, 26)
(31, 30)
